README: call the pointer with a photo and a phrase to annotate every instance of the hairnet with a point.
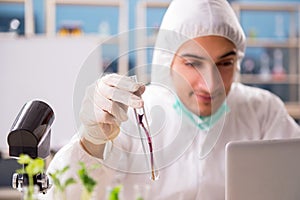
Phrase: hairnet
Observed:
(187, 19)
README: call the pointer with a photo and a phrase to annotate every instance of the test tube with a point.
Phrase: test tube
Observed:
(144, 130)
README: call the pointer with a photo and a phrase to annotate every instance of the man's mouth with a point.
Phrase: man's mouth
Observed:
(206, 98)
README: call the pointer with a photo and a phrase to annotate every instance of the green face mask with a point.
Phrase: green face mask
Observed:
(204, 123)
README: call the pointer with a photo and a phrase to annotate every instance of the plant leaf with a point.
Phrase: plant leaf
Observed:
(69, 181)
(24, 159)
(114, 193)
(88, 182)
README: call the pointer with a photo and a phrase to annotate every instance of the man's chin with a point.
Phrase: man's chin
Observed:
(205, 113)
(208, 109)
(202, 111)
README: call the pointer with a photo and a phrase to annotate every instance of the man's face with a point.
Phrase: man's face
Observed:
(203, 71)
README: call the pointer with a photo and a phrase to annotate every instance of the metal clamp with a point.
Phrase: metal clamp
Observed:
(21, 180)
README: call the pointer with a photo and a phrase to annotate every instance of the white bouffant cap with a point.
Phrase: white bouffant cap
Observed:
(188, 19)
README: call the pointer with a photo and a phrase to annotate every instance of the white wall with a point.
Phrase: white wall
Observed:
(46, 69)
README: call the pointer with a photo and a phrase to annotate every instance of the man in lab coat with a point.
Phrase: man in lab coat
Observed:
(193, 106)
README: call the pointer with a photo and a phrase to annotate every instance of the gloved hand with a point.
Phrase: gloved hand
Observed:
(105, 106)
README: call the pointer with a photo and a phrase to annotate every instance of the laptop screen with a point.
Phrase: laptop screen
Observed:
(263, 170)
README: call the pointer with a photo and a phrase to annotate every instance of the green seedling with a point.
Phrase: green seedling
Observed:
(56, 178)
(87, 181)
(31, 167)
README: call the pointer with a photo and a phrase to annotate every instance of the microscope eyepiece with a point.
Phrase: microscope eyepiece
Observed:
(30, 133)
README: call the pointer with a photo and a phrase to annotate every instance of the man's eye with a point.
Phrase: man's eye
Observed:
(193, 64)
(228, 63)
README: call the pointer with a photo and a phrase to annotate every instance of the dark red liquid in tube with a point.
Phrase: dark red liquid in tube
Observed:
(140, 118)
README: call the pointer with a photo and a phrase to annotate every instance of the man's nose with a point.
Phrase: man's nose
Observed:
(211, 77)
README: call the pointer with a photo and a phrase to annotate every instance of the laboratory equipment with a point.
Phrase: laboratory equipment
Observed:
(143, 127)
(30, 134)
(279, 72)
(265, 72)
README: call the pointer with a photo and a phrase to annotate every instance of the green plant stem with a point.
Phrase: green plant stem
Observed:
(30, 188)
(86, 195)
(59, 194)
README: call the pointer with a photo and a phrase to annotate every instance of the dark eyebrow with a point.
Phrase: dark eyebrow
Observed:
(228, 54)
(193, 56)
(204, 58)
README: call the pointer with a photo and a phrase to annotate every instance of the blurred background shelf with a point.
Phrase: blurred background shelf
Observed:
(269, 79)
(28, 14)
(272, 59)
(146, 37)
(121, 5)
(273, 43)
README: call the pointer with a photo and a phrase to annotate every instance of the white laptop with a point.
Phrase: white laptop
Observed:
(263, 170)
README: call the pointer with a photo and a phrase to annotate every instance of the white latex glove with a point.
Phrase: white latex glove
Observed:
(105, 106)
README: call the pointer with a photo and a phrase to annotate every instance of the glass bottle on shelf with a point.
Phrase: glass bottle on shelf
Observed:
(278, 70)
(279, 26)
(265, 72)
(104, 28)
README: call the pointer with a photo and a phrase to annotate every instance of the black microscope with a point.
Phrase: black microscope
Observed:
(30, 134)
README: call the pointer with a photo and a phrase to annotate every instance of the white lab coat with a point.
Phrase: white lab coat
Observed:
(255, 114)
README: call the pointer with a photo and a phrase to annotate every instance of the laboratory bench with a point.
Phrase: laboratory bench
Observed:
(8, 193)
